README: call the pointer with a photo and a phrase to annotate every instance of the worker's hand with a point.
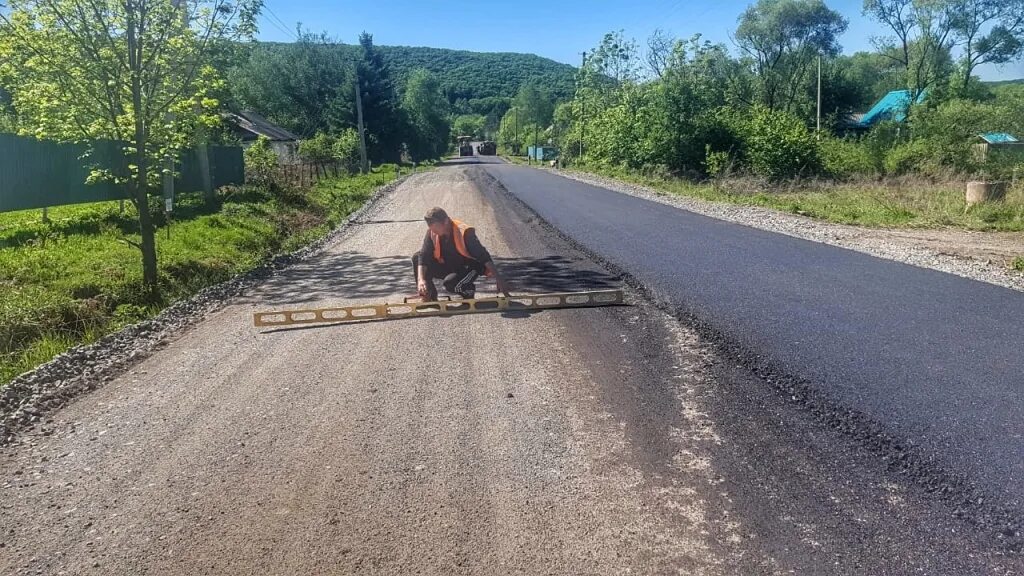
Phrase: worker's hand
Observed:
(421, 289)
(502, 287)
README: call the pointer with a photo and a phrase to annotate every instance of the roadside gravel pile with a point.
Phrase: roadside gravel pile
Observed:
(26, 399)
(875, 242)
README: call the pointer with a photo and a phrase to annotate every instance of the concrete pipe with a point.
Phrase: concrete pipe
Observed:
(978, 192)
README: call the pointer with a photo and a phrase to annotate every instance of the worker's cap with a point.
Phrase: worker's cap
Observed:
(436, 215)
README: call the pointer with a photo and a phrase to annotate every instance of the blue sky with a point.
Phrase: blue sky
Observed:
(558, 30)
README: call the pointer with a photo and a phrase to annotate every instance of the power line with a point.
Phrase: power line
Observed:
(280, 21)
(276, 22)
(266, 20)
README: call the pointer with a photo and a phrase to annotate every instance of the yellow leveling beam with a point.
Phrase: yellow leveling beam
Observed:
(414, 309)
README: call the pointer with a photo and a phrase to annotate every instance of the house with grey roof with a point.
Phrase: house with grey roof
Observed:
(248, 126)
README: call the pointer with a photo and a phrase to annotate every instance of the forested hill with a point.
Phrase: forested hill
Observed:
(466, 75)
(474, 75)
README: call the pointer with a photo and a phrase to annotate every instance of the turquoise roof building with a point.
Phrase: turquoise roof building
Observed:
(892, 107)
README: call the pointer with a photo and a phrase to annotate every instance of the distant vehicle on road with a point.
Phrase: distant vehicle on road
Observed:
(487, 148)
(465, 147)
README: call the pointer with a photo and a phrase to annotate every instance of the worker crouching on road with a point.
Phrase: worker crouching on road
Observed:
(451, 251)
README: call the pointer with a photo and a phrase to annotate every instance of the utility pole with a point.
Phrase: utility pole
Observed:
(363, 168)
(819, 97)
(536, 154)
(517, 133)
(583, 111)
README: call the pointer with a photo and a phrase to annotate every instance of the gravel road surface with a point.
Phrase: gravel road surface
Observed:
(596, 441)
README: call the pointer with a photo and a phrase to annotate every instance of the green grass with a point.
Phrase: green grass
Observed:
(1018, 264)
(73, 280)
(916, 205)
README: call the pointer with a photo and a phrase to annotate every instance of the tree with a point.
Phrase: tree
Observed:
(133, 71)
(990, 31)
(920, 43)
(615, 57)
(783, 39)
(536, 103)
(427, 111)
(469, 125)
(382, 116)
(659, 51)
(863, 78)
(699, 78)
(305, 86)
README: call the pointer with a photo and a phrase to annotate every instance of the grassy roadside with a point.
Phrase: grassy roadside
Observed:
(911, 205)
(73, 280)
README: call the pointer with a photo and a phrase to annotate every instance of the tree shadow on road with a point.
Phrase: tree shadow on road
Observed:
(359, 277)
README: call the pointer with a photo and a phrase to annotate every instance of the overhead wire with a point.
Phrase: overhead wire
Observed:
(271, 18)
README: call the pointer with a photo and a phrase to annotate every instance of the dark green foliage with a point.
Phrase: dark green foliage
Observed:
(775, 145)
(307, 86)
(472, 82)
(383, 119)
(782, 38)
(472, 76)
(427, 111)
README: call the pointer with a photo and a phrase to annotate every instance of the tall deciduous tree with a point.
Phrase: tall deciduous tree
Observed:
(989, 31)
(427, 111)
(536, 103)
(305, 86)
(118, 69)
(783, 39)
(920, 42)
(659, 52)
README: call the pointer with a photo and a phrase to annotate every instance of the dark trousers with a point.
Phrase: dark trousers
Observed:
(457, 279)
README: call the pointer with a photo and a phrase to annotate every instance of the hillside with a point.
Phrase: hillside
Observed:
(474, 75)
(468, 75)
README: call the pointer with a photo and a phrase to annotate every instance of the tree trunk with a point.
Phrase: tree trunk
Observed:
(148, 235)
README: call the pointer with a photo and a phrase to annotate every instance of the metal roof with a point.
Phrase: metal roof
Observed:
(893, 106)
(998, 138)
(257, 125)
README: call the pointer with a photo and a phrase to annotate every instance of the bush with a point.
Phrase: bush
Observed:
(777, 145)
(844, 158)
(318, 149)
(261, 163)
(910, 157)
(346, 150)
(717, 163)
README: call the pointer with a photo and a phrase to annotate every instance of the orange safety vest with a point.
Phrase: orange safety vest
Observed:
(459, 231)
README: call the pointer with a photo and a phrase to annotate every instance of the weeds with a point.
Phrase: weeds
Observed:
(900, 204)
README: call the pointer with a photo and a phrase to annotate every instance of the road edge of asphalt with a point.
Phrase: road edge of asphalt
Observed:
(25, 400)
(903, 461)
(805, 228)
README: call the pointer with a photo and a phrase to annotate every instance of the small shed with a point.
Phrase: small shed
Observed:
(542, 153)
(998, 146)
(248, 126)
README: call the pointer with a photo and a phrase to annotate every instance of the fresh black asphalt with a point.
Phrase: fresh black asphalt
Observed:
(937, 360)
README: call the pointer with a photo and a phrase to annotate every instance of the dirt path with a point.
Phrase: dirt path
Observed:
(602, 441)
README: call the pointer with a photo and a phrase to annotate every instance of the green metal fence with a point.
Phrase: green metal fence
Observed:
(41, 174)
